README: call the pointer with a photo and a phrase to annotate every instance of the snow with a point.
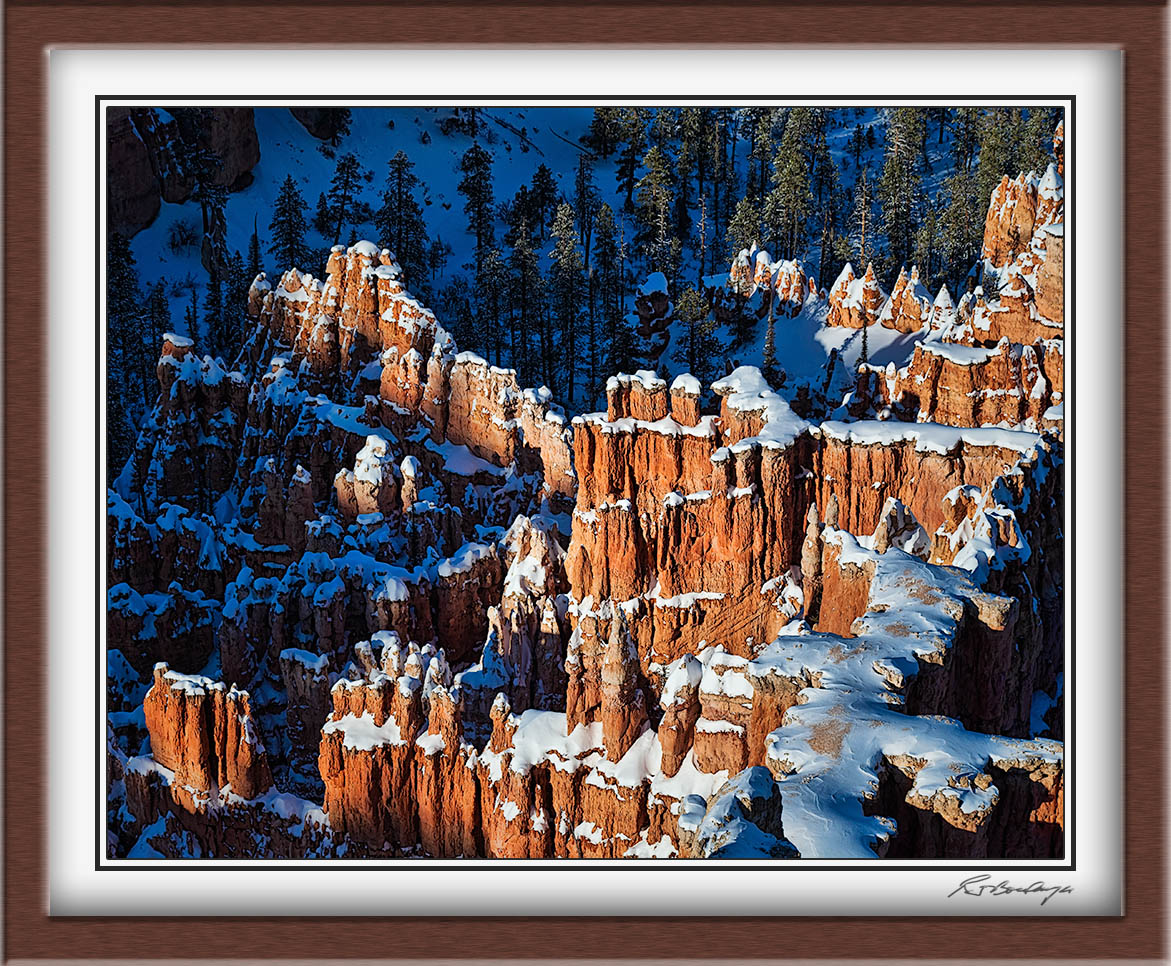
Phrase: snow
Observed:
(191, 684)
(318, 663)
(664, 848)
(830, 745)
(526, 577)
(745, 389)
(359, 733)
(687, 601)
(431, 744)
(588, 831)
(178, 341)
(656, 282)
(460, 460)
(1052, 186)
(803, 347)
(470, 359)
(540, 736)
(686, 672)
(667, 426)
(367, 248)
(685, 382)
(373, 463)
(845, 276)
(963, 355)
(648, 380)
(718, 727)
(724, 674)
(463, 559)
(929, 437)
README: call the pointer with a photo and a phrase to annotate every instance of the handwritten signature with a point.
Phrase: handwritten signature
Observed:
(978, 885)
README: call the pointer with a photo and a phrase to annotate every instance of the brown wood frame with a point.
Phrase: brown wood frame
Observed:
(1139, 28)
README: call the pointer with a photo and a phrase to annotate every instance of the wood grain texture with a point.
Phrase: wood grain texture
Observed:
(29, 933)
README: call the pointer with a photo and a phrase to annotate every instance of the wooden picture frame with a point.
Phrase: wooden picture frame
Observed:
(1139, 29)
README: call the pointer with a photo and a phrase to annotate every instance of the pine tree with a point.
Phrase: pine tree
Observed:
(469, 120)
(857, 145)
(335, 124)
(761, 150)
(566, 290)
(686, 162)
(125, 353)
(545, 197)
(861, 223)
(158, 315)
(456, 301)
(671, 260)
(699, 128)
(1035, 149)
(900, 188)
(723, 168)
(348, 178)
(664, 127)
(702, 231)
(492, 285)
(864, 356)
(399, 221)
(437, 257)
(287, 228)
(203, 166)
(654, 202)
(823, 169)
(213, 315)
(476, 187)
(744, 228)
(788, 204)
(235, 304)
(698, 349)
(516, 212)
(961, 230)
(633, 131)
(965, 138)
(729, 143)
(830, 215)
(605, 131)
(254, 268)
(608, 273)
(927, 247)
(996, 152)
(191, 313)
(213, 200)
(527, 304)
(585, 203)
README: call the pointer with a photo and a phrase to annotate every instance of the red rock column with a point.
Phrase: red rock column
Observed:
(624, 715)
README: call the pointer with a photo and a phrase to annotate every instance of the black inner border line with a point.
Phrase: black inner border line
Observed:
(335, 865)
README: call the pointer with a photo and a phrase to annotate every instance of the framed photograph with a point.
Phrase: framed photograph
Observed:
(507, 474)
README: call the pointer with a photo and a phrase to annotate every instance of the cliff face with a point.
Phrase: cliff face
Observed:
(146, 167)
(957, 385)
(205, 734)
(470, 627)
(1019, 208)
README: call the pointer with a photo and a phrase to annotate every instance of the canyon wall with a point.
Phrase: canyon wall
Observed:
(144, 167)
